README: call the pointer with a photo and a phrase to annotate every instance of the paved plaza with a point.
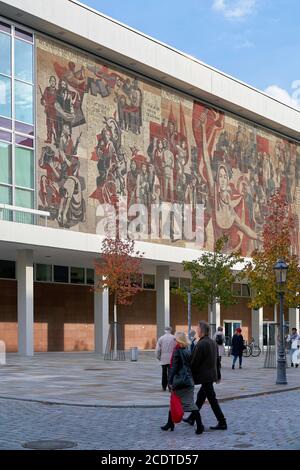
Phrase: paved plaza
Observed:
(268, 422)
(86, 379)
(100, 404)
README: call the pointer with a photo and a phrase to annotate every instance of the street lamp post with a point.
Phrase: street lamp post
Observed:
(281, 269)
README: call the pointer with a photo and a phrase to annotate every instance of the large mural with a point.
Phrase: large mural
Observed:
(104, 134)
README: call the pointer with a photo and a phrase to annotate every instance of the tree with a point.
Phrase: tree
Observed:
(277, 240)
(212, 276)
(119, 270)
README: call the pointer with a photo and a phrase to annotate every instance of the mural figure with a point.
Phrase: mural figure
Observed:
(48, 100)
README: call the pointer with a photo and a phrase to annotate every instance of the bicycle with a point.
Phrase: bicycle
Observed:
(251, 349)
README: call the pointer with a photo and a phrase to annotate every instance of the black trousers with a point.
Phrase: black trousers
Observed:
(207, 391)
(165, 375)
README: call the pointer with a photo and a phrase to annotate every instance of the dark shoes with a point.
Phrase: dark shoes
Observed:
(195, 416)
(219, 427)
(170, 425)
(296, 365)
(232, 367)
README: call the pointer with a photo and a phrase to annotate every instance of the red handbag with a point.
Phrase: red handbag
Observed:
(176, 408)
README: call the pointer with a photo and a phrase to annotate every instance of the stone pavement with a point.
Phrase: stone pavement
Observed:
(265, 422)
(86, 379)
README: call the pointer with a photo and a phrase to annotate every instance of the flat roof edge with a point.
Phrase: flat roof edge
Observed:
(192, 77)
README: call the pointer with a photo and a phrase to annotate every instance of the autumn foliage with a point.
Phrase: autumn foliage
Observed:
(278, 242)
(119, 269)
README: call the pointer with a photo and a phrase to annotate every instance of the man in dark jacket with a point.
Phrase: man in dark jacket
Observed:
(205, 367)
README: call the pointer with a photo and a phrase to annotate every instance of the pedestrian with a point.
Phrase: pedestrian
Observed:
(164, 349)
(182, 383)
(220, 340)
(293, 340)
(206, 370)
(193, 340)
(237, 347)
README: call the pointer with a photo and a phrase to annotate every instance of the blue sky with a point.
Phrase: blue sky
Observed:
(257, 41)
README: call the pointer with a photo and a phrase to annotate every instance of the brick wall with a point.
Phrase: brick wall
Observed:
(64, 317)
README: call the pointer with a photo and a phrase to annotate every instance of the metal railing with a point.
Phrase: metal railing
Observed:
(23, 215)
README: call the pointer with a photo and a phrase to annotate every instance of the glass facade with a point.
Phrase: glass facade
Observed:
(17, 143)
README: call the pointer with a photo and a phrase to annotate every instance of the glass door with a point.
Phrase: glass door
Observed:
(229, 327)
(269, 334)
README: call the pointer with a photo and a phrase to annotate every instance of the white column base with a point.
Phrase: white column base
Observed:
(294, 319)
(162, 299)
(101, 320)
(257, 318)
(25, 302)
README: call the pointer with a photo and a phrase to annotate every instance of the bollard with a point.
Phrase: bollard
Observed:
(134, 354)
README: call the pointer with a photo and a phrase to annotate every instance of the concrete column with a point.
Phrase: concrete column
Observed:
(257, 317)
(162, 299)
(101, 320)
(25, 302)
(214, 317)
(294, 319)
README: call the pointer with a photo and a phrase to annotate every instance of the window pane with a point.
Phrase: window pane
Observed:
(5, 136)
(24, 198)
(174, 282)
(23, 34)
(7, 269)
(23, 60)
(5, 66)
(236, 289)
(44, 272)
(23, 102)
(5, 96)
(77, 275)
(185, 283)
(6, 123)
(24, 167)
(4, 27)
(90, 276)
(61, 274)
(149, 281)
(21, 140)
(5, 198)
(24, 128)
(5, 163)
(5, 195)
(245, 290)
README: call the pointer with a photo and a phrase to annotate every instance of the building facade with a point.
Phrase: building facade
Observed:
(88, 118)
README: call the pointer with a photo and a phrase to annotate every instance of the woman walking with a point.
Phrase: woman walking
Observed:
(181, 382)
(237, 347)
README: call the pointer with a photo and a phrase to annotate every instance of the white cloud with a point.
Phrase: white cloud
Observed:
(246, 44)
(282, 95)
(234, 9)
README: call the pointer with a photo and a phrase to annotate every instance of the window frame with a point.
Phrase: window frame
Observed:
(14, 131)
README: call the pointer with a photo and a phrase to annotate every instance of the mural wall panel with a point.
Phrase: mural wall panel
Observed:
(103, 134)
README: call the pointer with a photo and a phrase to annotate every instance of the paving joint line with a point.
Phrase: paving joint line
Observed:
(90, 405)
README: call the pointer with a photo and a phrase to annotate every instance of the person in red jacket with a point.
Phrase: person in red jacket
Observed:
(48, 100)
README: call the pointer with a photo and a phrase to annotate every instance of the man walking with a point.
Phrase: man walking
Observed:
(206, 370)
(164, 349)
(293, 341)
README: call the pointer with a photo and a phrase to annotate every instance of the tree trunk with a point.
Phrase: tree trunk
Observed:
(189, 313)
(115, 355)
(210, 319)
